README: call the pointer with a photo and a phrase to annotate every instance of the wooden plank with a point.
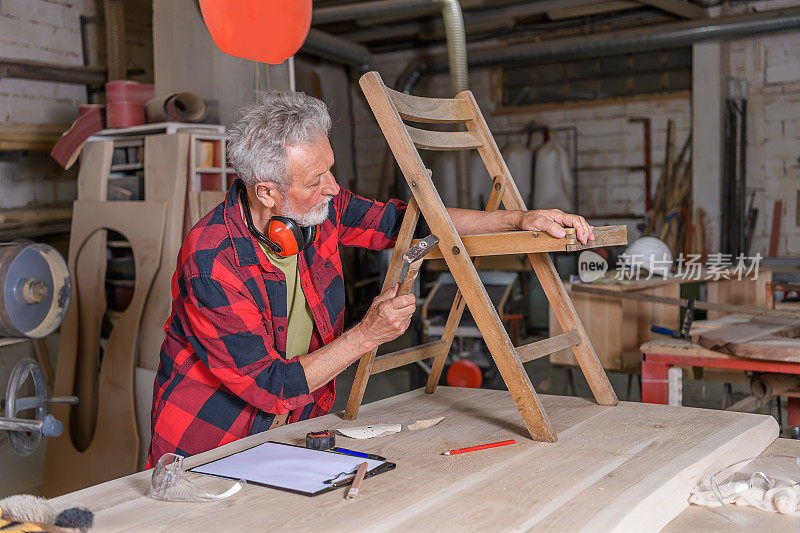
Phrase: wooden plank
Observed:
(201, 203)
(442, 140)
(629, 468)
(460, 264)
(603, 236)
(34, 137)
(436, 110)
(507, 243)
(113, 448)
(409, 355)
(753, 329)
(542, 264)
(165, 180)
(35, 214)
(603, 321)
(32, 146)
(773, 339)
(544, 347)
(89, 274)
(746, 292)
(618, 327)
(774, 238)
(683, 302)
(667, 345)
(531, 242)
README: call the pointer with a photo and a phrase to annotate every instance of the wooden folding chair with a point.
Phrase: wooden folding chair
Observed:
(391, 108)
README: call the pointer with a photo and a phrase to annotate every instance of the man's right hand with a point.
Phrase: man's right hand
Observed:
(387, 318)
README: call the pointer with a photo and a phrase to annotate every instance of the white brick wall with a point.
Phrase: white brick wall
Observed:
(46, 31)
(41, 30)
(771, 66)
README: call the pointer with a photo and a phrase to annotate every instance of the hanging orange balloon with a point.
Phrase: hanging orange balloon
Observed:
(269, 31)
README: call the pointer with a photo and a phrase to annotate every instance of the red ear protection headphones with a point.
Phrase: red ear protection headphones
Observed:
(284, 236)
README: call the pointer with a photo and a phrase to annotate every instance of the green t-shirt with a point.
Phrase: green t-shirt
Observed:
(298, 313)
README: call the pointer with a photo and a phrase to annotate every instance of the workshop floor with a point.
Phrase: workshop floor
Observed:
(548, 379)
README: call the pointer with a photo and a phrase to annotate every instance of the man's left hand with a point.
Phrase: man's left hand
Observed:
(553, 221)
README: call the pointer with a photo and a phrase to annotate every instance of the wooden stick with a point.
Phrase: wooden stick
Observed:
(457, 309)
(356, 486)
(683, 302)
(392, 360)
(532, 242)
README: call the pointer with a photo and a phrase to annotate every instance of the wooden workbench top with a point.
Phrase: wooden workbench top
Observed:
(624, 467)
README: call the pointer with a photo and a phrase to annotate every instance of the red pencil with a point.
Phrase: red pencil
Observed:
(481, 447)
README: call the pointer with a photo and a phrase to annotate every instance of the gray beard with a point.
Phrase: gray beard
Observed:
(314, 217)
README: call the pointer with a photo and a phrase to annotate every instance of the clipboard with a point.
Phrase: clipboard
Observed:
(291, 468)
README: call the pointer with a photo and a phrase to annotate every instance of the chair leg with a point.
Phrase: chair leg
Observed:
(453, 319)
(727, 395)
(639, 385)
(571, 390)
(457, 309)
(568, 319)
(496, 338)
(392, 277)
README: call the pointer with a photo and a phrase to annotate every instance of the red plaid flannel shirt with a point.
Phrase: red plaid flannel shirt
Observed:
(223, 373)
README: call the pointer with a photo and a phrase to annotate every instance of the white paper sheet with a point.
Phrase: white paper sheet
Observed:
(285, 466)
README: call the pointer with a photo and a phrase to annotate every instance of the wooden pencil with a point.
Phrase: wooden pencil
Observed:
(481, 447)
(360, 473)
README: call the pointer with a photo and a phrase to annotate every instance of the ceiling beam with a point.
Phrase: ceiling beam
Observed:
(428, 30)
(677, 7)
(593, 8)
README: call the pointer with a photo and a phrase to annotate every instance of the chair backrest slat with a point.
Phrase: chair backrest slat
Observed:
(443, 140)
(435, 110)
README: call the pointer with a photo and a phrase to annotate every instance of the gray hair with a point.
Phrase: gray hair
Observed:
(266, 126)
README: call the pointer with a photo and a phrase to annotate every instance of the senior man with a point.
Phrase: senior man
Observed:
(255, 337)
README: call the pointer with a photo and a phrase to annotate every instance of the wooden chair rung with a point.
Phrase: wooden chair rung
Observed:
(435, 110)
(409, 355)
(533, 242)
(443, 140)
(545, 347)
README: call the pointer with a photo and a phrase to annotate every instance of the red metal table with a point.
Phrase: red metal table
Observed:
(658, 356)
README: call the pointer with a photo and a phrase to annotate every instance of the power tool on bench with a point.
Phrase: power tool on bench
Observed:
(35, 293)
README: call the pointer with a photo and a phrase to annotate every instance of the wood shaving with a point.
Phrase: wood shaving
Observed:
(424, 424)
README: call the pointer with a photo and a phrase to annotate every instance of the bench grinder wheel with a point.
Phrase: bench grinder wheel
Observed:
(35, 289)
